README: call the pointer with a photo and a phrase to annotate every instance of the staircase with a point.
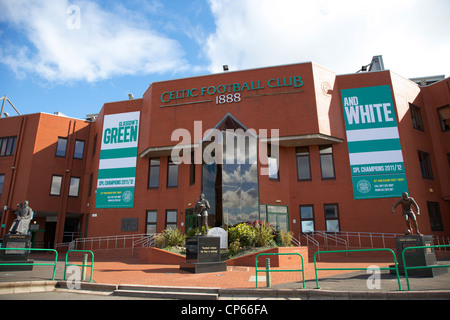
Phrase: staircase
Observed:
(334, 241)
(178, 293)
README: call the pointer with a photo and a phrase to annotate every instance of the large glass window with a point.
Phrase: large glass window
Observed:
(231, 185)
(171, 219)
(332, 217)
(172, 174)
(55, 189)
(307, 218)
(61, 147)
(153, 176)
(303, 164)
(326, 162)
(152, 216)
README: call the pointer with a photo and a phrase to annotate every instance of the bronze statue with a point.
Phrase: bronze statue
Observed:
(21, 224)
(201, 208)
(407, 203)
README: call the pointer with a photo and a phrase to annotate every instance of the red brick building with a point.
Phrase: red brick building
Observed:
(345, 146)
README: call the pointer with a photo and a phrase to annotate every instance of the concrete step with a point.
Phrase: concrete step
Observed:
(178, 293)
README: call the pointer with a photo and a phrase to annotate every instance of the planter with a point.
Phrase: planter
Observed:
(275, 261)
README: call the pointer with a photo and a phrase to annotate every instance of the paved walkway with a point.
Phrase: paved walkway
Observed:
(132, 272)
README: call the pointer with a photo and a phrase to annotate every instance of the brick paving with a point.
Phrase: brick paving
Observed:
(128, 272)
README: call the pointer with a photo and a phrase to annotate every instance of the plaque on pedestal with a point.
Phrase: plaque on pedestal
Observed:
(203, 255)
(417, 257)
(16, 241)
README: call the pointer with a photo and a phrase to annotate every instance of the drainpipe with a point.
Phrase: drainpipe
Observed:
(59, 234)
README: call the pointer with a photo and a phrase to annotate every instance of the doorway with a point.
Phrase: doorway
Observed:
(277, 216)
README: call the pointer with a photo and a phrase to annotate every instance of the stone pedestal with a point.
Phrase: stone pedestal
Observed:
(203, 255)
(16, 241)
(417, 257)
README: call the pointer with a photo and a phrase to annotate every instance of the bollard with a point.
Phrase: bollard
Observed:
(83, 269)
(268, 283)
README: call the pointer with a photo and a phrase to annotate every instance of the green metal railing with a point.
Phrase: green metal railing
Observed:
(302, 270)
(80, 265)
(357, 269)
(420, 267)
(34, 263)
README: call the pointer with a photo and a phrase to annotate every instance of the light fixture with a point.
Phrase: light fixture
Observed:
(130, 96)
(225, 67)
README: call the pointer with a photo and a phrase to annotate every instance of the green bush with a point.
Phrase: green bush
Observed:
(233, 248)
(264, 235)
(243, 233)
(286, 238)
(171, 238)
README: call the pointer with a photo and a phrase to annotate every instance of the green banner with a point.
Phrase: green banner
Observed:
(375, 151)
(118, 155)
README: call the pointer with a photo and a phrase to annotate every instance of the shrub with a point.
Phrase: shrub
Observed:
(286, 238)
(243, 233)
(264, 235)
(194, 231)
(170, 238)
(233, 248)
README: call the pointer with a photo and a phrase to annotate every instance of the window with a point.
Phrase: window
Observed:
(61, 147)
(326, 162)
(153, 176)
(172, 174)
(416, 117)
(444, 117)
(95, 145)
(434, 213)
(79, 150)
(152, 216)
(55, 189)
(332, 217)
(2, 182)
(74, 187)
(192, 170)
(273, 163)
(171, 219)
(7, 146)
(91, 182)
(425, 165)
(307, 218)
(303, 164)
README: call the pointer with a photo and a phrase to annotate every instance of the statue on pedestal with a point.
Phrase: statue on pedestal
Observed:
(21, 224)
(201, 209)
(408, 214)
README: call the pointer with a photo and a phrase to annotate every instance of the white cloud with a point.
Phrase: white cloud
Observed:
(341, 35)
(106, 44)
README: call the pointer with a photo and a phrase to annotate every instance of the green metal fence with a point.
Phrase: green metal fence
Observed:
(357, 269)
(80, 265)
(34, 263)
(302, 270)
(420, 267)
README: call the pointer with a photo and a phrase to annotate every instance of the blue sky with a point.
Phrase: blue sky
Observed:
(72, 56)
